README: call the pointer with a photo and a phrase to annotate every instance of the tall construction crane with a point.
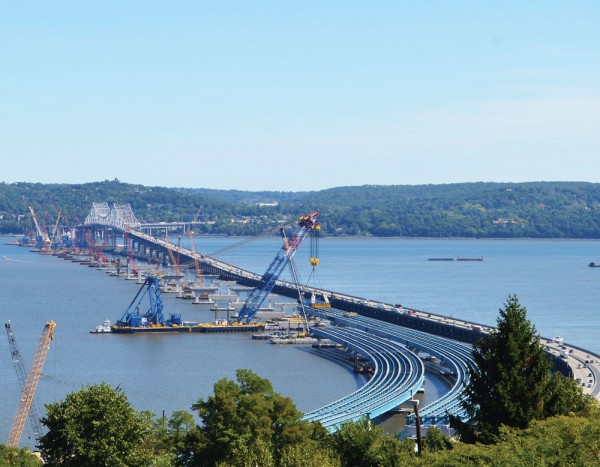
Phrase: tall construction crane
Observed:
(129, 247)
(193, 245)
(174, 261)
(17, 359)
(14, 437)
(41, 233)
(290, 245)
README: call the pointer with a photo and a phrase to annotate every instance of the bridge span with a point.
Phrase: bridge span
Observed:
(580, 364)
(380, 334)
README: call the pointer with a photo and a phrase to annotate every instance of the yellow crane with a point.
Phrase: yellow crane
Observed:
(14, 437)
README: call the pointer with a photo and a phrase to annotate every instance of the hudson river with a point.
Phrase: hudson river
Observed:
(170, 372)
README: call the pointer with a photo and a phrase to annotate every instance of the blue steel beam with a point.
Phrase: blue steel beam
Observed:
(455, 355)
(398, 374)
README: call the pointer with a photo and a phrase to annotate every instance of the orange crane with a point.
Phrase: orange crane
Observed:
(54, 232)
(193, 245)
(172, 256)
(14, 437)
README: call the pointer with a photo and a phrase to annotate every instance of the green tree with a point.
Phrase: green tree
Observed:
(363, 444)
(21, 457)
(436, 440)
(510, 383)
(246, 420)
(556, 441)
(95, 426)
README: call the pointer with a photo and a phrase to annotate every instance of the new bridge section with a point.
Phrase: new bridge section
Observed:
(581, 363)
(454, 355)
(398, 375)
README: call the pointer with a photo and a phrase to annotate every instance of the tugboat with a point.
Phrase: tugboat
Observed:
(102, 328)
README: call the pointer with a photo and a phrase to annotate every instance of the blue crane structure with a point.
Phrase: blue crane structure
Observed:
(290, 245)
(134, 317)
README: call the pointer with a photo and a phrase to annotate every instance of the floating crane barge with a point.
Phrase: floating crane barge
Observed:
(189, 327)
(152, 320)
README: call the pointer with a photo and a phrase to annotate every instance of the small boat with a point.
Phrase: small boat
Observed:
(102, 328)
(594, 265)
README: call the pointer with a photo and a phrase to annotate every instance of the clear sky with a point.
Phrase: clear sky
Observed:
(299, 95)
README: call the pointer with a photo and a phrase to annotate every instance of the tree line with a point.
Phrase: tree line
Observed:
(471, 210)
(521, 414)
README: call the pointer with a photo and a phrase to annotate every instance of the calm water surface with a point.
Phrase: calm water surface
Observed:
(170, 372)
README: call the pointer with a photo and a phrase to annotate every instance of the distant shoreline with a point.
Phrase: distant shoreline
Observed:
(373, 237)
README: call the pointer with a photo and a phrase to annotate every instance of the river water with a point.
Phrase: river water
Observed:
(170, 372)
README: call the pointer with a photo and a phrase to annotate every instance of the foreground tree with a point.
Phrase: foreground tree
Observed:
(511, 383)
(95, 426)
(15, 456)
(557, 441)
(248, 423)
(363, 444)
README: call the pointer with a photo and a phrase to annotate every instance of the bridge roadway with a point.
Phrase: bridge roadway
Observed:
(582, 364)
(398, 375)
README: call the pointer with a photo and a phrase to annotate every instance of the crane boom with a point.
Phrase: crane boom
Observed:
(290, 245)
(38, 229)
(14, 437)
(172, 256)
(199, 280)
(17, 359)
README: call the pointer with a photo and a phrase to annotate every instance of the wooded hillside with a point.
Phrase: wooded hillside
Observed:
(476, 210)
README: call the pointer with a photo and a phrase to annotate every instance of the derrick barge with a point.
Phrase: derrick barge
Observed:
(197, 327)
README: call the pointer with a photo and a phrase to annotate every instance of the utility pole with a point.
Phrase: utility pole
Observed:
(419, 437)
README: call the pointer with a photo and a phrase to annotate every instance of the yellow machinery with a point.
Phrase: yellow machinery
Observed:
(14, 437)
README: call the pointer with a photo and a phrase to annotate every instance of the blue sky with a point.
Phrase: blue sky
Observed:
(299, 95)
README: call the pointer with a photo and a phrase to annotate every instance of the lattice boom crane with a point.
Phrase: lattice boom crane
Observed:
(17, 359)
(14, 437)
(290, 245)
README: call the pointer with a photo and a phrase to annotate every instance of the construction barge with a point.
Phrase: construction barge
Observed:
(152, 321)
(189, 327)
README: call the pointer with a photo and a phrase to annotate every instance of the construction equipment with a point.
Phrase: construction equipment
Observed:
(314, 246)
(290, 245)
(174, 262)
(199, 282)
(14, 437)
(42, 236)
(54, 232)
(133, 317)
(129, 247)
(17, 359)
